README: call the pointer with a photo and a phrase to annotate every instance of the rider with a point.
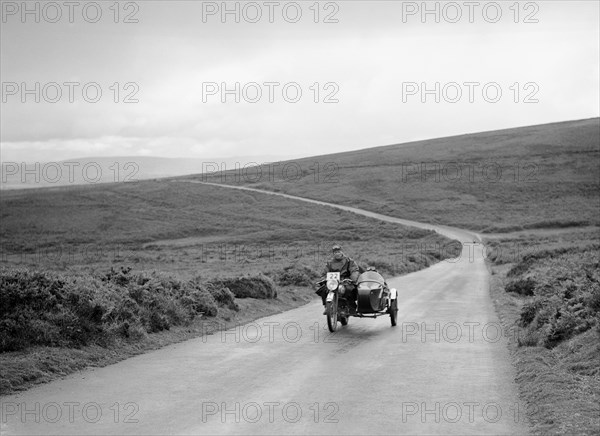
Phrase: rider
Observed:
(347, 268)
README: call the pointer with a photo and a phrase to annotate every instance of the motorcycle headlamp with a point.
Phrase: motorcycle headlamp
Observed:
(332, 284)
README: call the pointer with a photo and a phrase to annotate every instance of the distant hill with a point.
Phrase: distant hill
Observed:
(529, 177)
(92, 170)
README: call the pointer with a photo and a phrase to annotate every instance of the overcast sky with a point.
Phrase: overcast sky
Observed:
(370, 59)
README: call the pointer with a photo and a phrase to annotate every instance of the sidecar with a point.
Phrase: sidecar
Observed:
(375, 298)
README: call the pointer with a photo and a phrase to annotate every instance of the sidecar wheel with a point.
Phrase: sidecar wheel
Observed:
(332, 316)
(344, 320)
(393, 311)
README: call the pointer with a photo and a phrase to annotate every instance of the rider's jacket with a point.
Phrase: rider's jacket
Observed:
(345, 266)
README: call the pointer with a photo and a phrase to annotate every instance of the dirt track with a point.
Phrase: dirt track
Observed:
(444, 369)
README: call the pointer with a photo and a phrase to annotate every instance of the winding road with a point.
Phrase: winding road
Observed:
(445, 369)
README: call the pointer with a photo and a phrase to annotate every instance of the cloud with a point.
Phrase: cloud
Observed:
(363, 61)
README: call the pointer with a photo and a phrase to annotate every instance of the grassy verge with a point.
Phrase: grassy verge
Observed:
(548, 298)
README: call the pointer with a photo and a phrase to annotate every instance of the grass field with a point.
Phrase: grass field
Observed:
(192, 230)
(531, 177)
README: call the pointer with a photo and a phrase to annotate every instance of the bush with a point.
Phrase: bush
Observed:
(529, 339)
(521, 286)
(565, 284)
(223, 296)
(561, 327)
(528, 312)
(259, 286)
(42, 308)
(200, 301)
(296, 275)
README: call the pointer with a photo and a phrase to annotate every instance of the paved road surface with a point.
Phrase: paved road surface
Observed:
(444, 369)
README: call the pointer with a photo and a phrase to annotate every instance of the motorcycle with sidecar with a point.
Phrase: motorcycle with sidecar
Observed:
(369, 298)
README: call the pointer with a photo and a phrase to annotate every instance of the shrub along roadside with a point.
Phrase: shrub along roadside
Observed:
(563, 287)
(259, 286)
(49, 309)
(296, 274)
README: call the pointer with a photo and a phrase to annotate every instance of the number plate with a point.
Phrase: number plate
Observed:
(333, 276)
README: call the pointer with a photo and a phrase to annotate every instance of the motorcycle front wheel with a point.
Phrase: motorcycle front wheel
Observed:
(332, 316)
(393, 311)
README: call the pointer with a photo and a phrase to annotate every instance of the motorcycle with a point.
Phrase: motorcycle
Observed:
(373, 298)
